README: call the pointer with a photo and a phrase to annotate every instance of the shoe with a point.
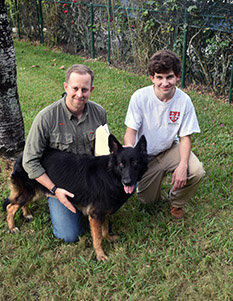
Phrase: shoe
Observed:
(177, 212)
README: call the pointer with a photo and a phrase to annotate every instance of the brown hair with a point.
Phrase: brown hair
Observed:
(80, 69)
(164, 61)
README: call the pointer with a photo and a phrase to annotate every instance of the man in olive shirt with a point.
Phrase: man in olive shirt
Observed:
(68, 124)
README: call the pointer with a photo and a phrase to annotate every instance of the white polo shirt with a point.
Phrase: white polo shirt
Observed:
(161, 122)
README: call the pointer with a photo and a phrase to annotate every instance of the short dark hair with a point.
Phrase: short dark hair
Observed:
(164, 61)
(80, 69)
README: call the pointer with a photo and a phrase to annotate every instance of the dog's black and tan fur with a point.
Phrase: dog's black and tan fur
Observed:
(97, 183)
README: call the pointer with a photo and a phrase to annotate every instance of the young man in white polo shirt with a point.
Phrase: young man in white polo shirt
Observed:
(167, 118)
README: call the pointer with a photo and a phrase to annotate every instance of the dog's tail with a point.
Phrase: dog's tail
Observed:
(5, 203)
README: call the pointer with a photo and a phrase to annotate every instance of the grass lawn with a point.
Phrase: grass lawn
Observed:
(156, 257)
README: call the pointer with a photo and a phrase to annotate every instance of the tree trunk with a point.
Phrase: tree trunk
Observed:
(11, 120)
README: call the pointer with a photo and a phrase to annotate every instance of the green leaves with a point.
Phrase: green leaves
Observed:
(149, 24)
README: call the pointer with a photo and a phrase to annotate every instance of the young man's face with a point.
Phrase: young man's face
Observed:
(78, 90)
(164, 84)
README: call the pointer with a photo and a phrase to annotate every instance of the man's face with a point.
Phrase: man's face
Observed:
(164, 84)
(78, 90)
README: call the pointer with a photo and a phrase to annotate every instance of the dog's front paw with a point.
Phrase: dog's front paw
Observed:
(112, 237)
(101, 257)
(28, 218)
(15, 230)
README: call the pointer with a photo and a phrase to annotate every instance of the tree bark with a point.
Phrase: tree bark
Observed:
(11, 120)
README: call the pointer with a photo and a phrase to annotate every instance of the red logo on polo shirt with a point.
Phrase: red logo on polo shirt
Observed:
(174, 116)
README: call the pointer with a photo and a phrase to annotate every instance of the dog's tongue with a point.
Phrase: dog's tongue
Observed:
(128, 189)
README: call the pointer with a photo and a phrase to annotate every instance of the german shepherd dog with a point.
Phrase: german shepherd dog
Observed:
(101, 185)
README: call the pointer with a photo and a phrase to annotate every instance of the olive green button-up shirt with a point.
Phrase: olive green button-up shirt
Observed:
(56, 127)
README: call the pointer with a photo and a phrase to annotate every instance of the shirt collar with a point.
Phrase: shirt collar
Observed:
(70, 115)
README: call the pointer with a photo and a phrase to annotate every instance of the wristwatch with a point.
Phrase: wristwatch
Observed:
(52, 191)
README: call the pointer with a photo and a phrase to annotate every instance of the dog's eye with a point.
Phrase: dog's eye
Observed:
(134, 163)
(121, 165)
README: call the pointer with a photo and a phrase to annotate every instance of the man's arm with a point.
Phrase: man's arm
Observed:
(130, 137)
(179, 177)
(33, 151)
(60, 194)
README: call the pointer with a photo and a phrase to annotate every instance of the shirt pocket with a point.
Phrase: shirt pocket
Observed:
(63, 142)
(89, 141)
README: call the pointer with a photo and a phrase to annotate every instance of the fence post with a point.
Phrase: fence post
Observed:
(41, 23)
(184, 48)
(92, 32)
(39, 19)
(109, 32)
(231, 83)
(37, 16)
(176, 31)
(17, 18)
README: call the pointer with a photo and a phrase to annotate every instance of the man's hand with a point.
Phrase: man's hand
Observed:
(179, 177)
(62, 194)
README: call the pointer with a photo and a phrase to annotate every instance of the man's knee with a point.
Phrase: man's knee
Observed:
(195, 169)
(199, 171)
(71, 239)
(67, 237)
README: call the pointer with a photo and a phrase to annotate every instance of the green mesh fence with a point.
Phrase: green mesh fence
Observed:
(128, 32)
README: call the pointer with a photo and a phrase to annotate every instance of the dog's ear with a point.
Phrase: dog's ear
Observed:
(142, 145)
(114, 144)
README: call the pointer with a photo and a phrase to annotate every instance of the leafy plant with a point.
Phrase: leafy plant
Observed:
(133, 30)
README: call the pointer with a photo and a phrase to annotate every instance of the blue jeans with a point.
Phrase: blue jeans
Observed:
(66, 224)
